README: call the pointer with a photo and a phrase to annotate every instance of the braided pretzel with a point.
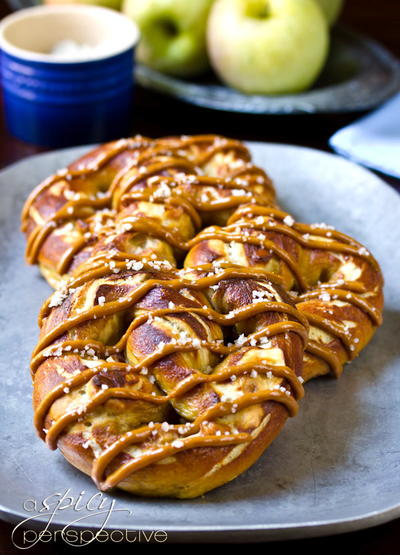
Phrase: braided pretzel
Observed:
(111, 230)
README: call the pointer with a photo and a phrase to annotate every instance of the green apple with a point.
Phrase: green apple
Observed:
(113, 4)
(173, 34)
(267, 46)
(331, 9)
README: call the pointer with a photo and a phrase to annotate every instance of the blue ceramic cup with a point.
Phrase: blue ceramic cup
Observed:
(81, 95)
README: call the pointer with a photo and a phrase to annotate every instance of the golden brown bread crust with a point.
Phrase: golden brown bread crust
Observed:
(110, 231)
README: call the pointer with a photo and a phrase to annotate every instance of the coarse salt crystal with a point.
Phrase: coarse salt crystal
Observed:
(288, 220)
(178, 443)
(57, 298)
(134, 265)
(325, 297)
(241, 340)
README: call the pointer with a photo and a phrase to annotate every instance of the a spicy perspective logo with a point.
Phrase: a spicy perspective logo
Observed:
(96, 508)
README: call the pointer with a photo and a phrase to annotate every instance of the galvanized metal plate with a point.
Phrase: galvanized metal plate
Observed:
(334, 468)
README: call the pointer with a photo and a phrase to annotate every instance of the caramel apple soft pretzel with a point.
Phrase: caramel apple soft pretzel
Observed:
(167, 381)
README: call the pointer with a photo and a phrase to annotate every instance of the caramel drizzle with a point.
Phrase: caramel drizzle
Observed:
(193, 380)
(225, 271)
(345, 294)
(40, 232)
(338, 242)
(240, 314)
(91, 168)
(327, 355)
(175, 182)
(140, 225)
(246, 312)
(117, 190)
(219, 410)
(128, 468)
(227, 235)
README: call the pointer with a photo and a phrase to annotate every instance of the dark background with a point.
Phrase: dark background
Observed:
(155, 116)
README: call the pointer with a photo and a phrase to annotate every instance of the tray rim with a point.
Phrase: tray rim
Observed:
(260, 532)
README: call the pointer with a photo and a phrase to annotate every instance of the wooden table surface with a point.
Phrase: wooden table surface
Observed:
(156, 115)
